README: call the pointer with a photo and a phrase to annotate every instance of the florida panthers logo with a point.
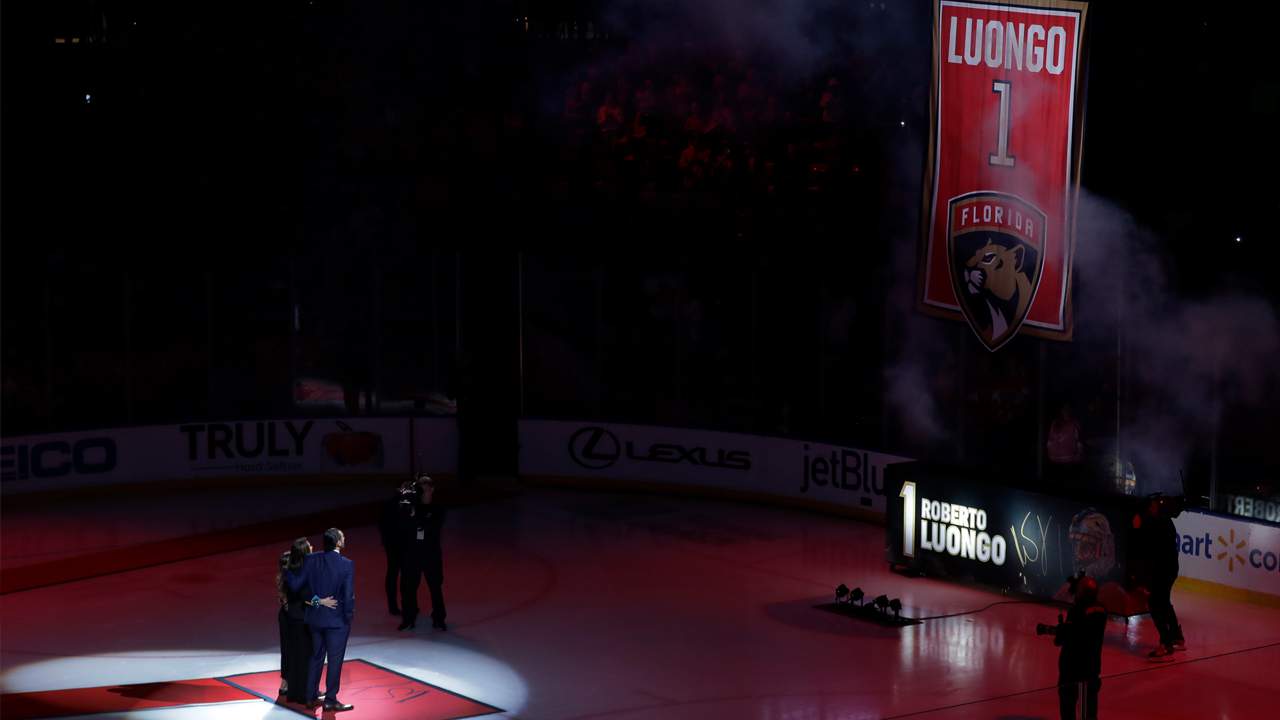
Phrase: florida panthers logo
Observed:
(996, 245)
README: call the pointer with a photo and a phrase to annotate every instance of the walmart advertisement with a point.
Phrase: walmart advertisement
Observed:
(1230, 551)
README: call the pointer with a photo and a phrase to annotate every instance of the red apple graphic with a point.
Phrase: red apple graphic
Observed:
(351, 447)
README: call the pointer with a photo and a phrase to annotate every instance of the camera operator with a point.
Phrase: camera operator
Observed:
(1080, 661)
(1156, 543)
(420, 524)
(389, 523)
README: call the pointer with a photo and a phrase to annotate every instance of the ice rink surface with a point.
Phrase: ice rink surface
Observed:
(570, 605)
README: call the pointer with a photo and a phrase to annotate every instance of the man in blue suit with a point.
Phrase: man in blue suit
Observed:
(327, 573)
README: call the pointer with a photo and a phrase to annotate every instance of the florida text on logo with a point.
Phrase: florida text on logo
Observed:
(596, 448)
(995, 246)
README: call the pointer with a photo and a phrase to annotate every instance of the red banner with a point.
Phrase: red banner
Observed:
(1004, 156)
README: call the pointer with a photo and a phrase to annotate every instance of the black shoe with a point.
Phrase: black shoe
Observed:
(1162, 653)
(339, 707)
(407, 625)
(314, 704)
(439, 625)
(393, 610)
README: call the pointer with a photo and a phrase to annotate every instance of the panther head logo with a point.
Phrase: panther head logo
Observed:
(997, 271)
(995, 243)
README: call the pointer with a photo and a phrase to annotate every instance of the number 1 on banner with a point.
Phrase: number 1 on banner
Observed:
(1001, 157)
(908, 493)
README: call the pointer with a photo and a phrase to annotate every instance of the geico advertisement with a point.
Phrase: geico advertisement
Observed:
(65, 460)
(48, 457)
(750, 463)
(1229, 551)
(1011, 539)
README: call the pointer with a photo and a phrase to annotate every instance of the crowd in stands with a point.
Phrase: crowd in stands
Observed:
(729, 136)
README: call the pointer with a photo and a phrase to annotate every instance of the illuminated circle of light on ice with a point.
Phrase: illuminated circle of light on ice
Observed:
(444, 662)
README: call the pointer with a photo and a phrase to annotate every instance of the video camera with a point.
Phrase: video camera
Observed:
(407, 492)
(1073, 585)
(1046, 629)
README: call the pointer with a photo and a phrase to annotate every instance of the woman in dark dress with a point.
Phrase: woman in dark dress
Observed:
(295, 637)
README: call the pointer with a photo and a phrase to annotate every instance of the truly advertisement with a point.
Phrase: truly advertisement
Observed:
(961, 529)
(742, 463)
(291, 445)
(263, 446)
(245, 447)
(1229, 551)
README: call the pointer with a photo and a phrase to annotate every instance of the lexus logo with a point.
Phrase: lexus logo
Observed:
(594, 448)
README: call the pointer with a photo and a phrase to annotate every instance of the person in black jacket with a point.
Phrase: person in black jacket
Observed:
(420, 526)
(392, 539)
(1156, 544)
(1080, 660)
